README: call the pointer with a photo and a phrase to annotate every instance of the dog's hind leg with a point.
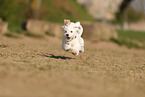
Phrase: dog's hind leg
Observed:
(75, 52)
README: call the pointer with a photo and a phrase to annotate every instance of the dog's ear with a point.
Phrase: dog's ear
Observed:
(66, 22)
(77, 24)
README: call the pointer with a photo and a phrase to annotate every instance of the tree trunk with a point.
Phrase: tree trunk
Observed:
(35, 6)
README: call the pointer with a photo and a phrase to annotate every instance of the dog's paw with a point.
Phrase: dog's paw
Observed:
(75, 52)
(67, 50)
(67, 47)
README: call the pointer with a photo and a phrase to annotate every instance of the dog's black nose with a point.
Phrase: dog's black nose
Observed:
(67, 35)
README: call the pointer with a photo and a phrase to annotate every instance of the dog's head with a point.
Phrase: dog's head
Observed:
(70, 30)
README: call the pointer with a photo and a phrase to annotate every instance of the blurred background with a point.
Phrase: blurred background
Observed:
(121, 21)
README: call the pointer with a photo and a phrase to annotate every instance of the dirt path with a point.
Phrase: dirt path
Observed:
(40, 68)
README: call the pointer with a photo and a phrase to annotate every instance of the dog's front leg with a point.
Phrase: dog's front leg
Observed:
(75, 50)
(67, 47)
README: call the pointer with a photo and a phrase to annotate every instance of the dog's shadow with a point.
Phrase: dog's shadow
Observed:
(57, 57)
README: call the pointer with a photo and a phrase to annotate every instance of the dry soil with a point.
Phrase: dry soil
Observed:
(32, 67)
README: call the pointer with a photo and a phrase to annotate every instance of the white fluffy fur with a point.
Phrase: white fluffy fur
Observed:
(72, 40)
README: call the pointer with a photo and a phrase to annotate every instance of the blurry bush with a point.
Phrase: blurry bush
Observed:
(133, 16)
(11, 11)
(58, 10)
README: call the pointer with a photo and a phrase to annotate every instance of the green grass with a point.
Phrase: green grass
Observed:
(12, 12)
(33, 35)
(129, 44)
(15, 12)
(49, 34)
(131, 35)
(12, 35)
(130, 38)
(56, 11)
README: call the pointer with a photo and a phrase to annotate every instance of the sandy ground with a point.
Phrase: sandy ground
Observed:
(32, 67)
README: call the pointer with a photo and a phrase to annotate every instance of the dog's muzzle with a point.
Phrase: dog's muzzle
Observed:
(68, 38)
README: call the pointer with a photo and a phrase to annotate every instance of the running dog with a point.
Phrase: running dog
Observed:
(72, 40)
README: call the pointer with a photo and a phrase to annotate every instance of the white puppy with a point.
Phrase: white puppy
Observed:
(72, 40)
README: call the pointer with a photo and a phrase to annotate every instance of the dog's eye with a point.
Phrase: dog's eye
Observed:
(71, 31)
(65, 31)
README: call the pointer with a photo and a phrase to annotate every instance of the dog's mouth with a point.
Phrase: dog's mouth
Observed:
(68, 38)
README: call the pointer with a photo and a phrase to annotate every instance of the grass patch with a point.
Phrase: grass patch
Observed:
(47, 67)
(132, 35)
(76, 67)
(49, 34)
(56, 11)
(33, 35)
(3, 46)
(129, 44)
(15, 28)
(12, 35)
(130, 38)
(116, 41)
(15, 12)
